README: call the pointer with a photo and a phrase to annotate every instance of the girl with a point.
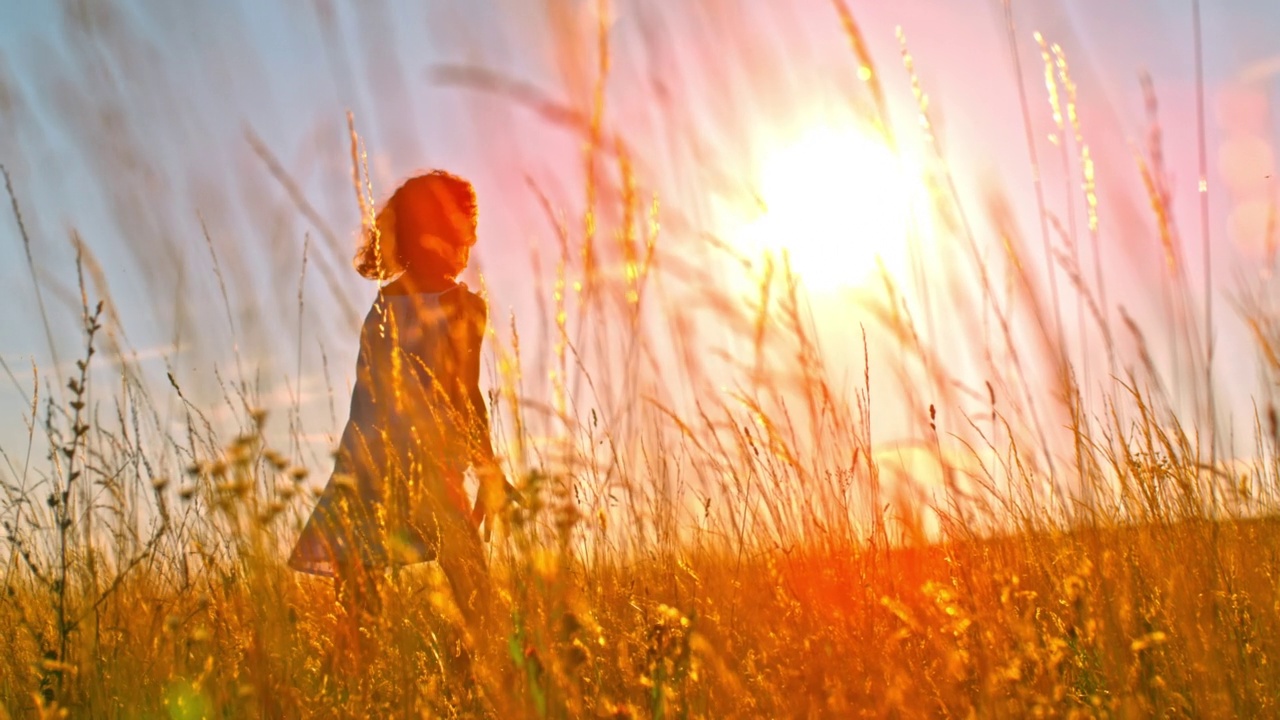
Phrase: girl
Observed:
(418, 419)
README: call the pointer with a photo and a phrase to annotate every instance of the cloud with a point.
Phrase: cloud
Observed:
(310, 393)
(1261, 71)
(23, 371)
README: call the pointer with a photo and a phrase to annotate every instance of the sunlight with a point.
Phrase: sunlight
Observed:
(835, 201)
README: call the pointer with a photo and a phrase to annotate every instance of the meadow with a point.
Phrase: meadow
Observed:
(708, 524)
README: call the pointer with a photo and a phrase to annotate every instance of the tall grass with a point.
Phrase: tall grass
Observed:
(709, 525)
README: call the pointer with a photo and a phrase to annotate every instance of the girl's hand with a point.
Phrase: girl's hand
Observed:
(494, 496)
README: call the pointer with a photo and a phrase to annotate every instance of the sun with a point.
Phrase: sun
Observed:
(839, 204)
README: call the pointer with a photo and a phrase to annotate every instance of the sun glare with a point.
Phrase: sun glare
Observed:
(838, 203)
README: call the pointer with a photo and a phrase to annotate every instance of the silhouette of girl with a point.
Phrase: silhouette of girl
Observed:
(418, 419)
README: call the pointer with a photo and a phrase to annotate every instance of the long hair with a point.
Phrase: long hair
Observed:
(448, 204)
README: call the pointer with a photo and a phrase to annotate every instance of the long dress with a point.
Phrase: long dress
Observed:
(417, 421)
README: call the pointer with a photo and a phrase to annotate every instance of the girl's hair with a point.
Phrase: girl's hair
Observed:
(446, 199)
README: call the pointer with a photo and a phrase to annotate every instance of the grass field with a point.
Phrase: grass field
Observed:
(709, 524)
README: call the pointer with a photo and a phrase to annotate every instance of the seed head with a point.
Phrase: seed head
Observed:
(275, 460)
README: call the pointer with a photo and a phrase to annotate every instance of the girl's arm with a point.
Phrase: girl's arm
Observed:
(495, 491)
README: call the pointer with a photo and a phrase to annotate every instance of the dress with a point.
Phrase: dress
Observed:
(417, 421)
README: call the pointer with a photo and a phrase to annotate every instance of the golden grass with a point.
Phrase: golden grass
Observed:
(1114, 622)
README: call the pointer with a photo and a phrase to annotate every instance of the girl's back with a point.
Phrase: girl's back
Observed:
(419, 359)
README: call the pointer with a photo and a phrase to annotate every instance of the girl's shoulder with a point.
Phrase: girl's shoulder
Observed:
(456, 304)
(470, 304)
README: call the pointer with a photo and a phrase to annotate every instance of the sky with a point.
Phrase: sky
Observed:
(142, 128)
